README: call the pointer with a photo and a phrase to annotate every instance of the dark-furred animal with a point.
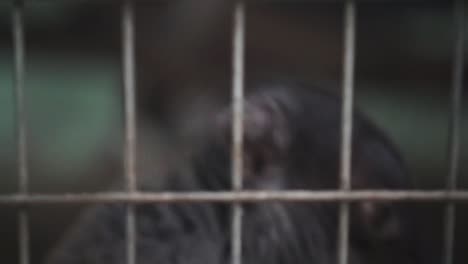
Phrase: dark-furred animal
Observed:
(291, 142)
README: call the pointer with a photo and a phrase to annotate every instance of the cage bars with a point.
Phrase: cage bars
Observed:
(128, 56)
(454, 127)
(238, 42)
(23, 198)
(21, 127)
(349, 18)
(458, 196)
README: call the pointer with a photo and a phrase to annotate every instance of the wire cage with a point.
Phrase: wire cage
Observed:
(23, 200)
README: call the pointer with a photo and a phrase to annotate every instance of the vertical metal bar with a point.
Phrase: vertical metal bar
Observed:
(346, 130)
(21, 127)
(454, 127)
(238, 125)
(128, 41)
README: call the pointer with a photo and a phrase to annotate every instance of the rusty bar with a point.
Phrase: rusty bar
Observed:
(128, 42)
(232, 196)
(238, 42)
(346, 126)
(454, 127)
(21, 127)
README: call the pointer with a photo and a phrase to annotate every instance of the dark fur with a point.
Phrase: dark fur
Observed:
(292, 140)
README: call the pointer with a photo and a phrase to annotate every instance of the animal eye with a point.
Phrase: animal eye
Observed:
(258, 163)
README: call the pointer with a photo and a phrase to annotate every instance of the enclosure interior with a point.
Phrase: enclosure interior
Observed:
(74, 97)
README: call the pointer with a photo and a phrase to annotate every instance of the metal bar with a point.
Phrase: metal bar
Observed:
(455, 127)
(21, 127)
(128, 41)
(232, 196)
(346, 127)
(238, 41)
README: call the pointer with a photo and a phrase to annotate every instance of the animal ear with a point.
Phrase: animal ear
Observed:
(266, 136)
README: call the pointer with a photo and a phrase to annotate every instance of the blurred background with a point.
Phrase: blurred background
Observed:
(404, 64)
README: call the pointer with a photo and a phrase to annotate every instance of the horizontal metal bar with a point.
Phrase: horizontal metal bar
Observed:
(233, 196)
